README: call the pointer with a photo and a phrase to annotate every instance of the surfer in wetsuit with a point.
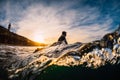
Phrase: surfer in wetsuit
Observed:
(62, 38)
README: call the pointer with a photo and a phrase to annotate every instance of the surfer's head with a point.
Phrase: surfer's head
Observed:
(64, 33)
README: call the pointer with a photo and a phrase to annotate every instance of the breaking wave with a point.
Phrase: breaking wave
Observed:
(27, 63)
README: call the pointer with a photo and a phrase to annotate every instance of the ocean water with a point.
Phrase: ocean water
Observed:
(54, 72)
(60, 62)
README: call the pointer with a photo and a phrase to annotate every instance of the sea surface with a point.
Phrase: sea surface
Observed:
(60, 62)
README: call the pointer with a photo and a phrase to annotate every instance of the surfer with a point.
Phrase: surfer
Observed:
(62, 38)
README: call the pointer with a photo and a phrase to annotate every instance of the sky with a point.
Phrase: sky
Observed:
(44, 20)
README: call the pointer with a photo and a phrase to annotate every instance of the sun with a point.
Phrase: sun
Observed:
(39, 39)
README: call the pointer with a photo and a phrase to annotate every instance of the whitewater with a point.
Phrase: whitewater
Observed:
(20, 61)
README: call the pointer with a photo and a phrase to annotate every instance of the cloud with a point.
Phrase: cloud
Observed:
(48, 21)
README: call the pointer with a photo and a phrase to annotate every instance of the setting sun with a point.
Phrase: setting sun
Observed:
(38, 39)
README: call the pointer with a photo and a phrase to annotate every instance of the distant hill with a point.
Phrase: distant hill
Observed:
(10, 38)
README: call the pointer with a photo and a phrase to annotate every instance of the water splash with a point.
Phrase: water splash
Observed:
(20, 62)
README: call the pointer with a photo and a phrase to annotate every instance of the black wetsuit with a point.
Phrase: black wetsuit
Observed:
(62, 38)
